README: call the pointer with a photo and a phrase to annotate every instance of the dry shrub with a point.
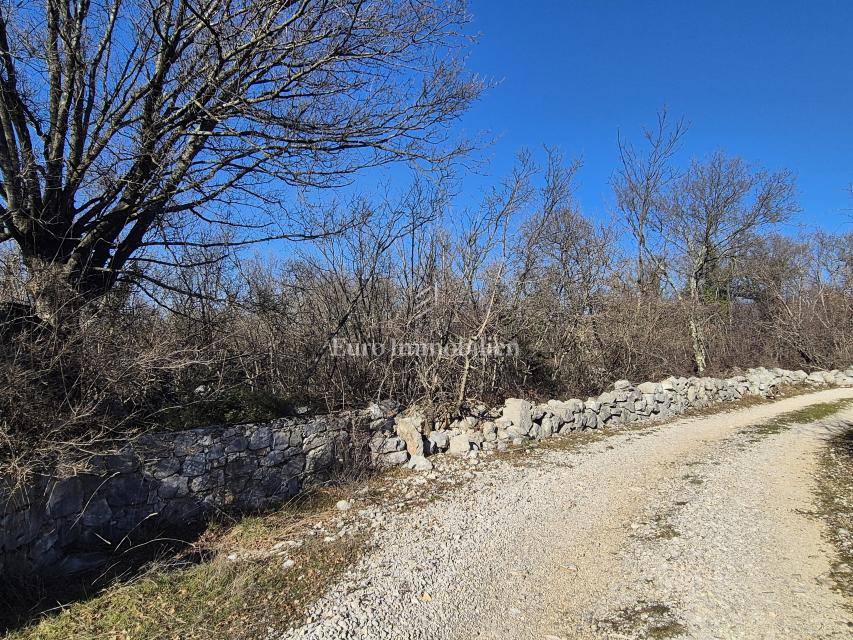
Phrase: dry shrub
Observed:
(250, 339)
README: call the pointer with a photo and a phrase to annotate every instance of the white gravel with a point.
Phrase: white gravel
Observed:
(691, 529)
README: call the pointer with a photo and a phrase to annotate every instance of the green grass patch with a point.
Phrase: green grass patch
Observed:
(809, 414)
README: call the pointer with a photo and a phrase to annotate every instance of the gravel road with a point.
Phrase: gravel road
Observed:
(698, 528)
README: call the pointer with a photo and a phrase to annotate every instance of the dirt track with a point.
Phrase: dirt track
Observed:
(699, 528)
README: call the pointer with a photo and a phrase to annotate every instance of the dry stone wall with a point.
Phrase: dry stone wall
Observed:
(519, 420)
(160, 483)
(164, 482)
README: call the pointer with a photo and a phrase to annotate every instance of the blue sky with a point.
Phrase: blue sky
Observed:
(771, 81)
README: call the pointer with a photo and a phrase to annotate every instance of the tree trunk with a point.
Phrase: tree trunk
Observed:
(463, 383)
(56, 292)
(698, 338)
(642, 283)
(697, 335)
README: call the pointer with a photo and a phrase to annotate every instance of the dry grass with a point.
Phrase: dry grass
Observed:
(220, 597)
(835, 504)
(645, 620)
(231, 583)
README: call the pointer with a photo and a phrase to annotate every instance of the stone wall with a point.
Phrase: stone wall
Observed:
(167, 481)
(163, 482)
(411, 438)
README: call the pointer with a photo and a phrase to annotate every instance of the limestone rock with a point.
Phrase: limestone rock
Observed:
(518, 412)
(408, 430)
(459, 445)
(419, 463)
(382, 444)
(649, 387)
(440, 440)
(394, 459)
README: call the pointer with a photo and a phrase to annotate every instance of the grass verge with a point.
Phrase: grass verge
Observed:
(806, 415)
(244, 589)
(835, 504)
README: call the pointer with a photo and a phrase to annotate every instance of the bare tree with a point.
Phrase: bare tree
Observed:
(128, 125)
(710, 222)
(640, 182)
(801, 287)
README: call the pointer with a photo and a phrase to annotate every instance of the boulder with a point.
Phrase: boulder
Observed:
(562, 411)
(649, 387)
(547, 428)
(608, 397)
(459, 445)
(419, 463)
(439, 440)
(408, 429)
(394, 459)
(468, 423)
(490, 431)
(516, 431)
(383, 444)
(475, 437)
(518, 412)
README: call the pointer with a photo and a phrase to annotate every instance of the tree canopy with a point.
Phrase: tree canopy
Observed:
(128, 125)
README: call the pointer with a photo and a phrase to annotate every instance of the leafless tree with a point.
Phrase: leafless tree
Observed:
(128, 125)
(640, 183)
(709, 223)
(801, 287)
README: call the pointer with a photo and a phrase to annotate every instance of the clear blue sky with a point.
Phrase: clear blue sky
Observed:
(771, 81)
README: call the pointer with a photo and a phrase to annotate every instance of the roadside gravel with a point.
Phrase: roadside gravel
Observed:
(697, 528)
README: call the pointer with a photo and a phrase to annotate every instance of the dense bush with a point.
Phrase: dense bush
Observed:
(252, 339)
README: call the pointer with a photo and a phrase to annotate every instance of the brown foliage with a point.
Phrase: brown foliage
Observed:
(227, 340)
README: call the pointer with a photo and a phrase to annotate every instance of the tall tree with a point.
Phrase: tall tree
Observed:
(710, 221)
(130, 127)
(640, 183)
